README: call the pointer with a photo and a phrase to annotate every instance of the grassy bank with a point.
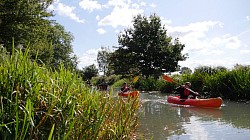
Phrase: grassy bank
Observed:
(38, 103)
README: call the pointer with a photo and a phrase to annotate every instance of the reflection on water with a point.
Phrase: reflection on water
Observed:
(160, 120)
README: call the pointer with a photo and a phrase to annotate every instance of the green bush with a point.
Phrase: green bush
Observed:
(151, 84)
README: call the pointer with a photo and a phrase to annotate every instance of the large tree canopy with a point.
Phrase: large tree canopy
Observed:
(146, 49)
(23, 20)
(27, 22)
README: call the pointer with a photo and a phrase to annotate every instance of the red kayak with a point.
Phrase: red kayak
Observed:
(211, 102)
(129, 93)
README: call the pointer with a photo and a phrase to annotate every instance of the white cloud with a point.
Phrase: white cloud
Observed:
(56, 1)
(245, 51)
(248, 18)
(117, 31)
(204, 50)
(143, 3)
(101, 31)
(90, 5)
(246, 33)
(228, 41)
(153, 5)
(119, 17)
(232, 42)
(88, 58)
(119, 3)
(193, 35)
(165, 21)
(196, 27)
(135, 5)
(213, 52)
(97, 17)
(65, 10)
(193, 63)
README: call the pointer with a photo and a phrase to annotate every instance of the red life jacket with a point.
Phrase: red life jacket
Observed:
(186, 92)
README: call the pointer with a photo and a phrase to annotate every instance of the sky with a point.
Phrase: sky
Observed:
(214, 32)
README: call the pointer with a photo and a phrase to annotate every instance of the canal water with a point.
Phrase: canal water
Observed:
(163, 121)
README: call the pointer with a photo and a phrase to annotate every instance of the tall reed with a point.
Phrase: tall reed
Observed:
(234, 84)
(38, 103)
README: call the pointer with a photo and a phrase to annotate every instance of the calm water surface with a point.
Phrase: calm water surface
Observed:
(163, 121)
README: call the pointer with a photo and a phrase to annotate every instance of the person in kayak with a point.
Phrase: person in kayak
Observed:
(125, 88)
(185, 91)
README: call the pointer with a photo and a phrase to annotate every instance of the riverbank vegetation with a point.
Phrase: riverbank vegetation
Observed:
(40, 103)
(229, 84)
(208, 81)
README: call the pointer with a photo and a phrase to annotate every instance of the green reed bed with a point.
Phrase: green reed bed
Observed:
(233, 84)
(38, 103)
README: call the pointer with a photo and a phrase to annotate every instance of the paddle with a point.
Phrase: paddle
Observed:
(135, 79)
(170, 80)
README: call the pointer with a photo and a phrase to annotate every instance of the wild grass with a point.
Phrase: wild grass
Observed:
(228, 84)
(216, 82)
(234, 84)
(39, 103)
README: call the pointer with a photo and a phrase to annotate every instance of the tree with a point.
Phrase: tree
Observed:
(209, 70)
(61, 46)
(146, 49)
(89, 72)
(27, 22)
(102, 59)
(120, 63)
(23, 20)
(186, 70)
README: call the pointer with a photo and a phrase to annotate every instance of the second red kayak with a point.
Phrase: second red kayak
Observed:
(129, 94)
(211, 102)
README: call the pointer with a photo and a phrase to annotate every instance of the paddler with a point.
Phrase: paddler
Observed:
(185, 91)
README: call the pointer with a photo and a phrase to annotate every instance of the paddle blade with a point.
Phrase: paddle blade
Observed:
(135, 79)
(168, 79)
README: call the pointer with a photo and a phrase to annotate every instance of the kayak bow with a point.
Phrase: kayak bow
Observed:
(211, 102)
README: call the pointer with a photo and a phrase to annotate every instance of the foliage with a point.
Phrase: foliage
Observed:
(151, 84)
(27, 22)
(60, 41)
(102, 60)
(121, 64)
(146, 49)
(209, 70)
(218, 81)
(37, 103)
(23, 20)
(186, 70)
(233, 84)
(129, 81)
(111, 79)
(120, 82)
(88, 72)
